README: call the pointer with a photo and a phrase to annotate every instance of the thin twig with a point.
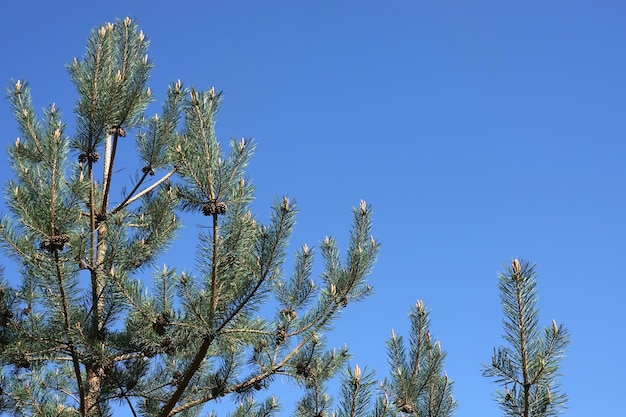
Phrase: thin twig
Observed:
(129, 200)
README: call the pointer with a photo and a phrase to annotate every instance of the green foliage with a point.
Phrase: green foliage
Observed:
(418, 386)
(356, 391)
(84, 331)
(111, 82)
(530, 361)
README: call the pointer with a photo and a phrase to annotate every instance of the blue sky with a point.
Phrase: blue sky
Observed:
(479, 131)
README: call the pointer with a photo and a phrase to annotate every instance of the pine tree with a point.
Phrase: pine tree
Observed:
(529, 364)
(85, 328)
(417, 385)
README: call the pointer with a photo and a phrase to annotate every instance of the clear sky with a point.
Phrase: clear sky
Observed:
(480, 131)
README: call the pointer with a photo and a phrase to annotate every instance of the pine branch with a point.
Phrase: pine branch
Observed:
(166, 411)
(214, 289)
(72, 349)
(241, 386)
(121, 341)
(418, 384)
(356, 391)
(22, 105)
(204, 347)
(532, 362)
(130, 198)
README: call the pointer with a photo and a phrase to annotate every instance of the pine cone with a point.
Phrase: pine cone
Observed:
(289, 313)
(54, 242)
(148, 170)
(219, 390)
(116, 131)
(162, 320)
(90, 156)
(304, 370)
(213, 207)
(281, 335)
(404, 407)
(6, 317)
(23, 362)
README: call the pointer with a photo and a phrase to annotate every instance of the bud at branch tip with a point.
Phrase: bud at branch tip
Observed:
(363, 206)
(516, 266)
